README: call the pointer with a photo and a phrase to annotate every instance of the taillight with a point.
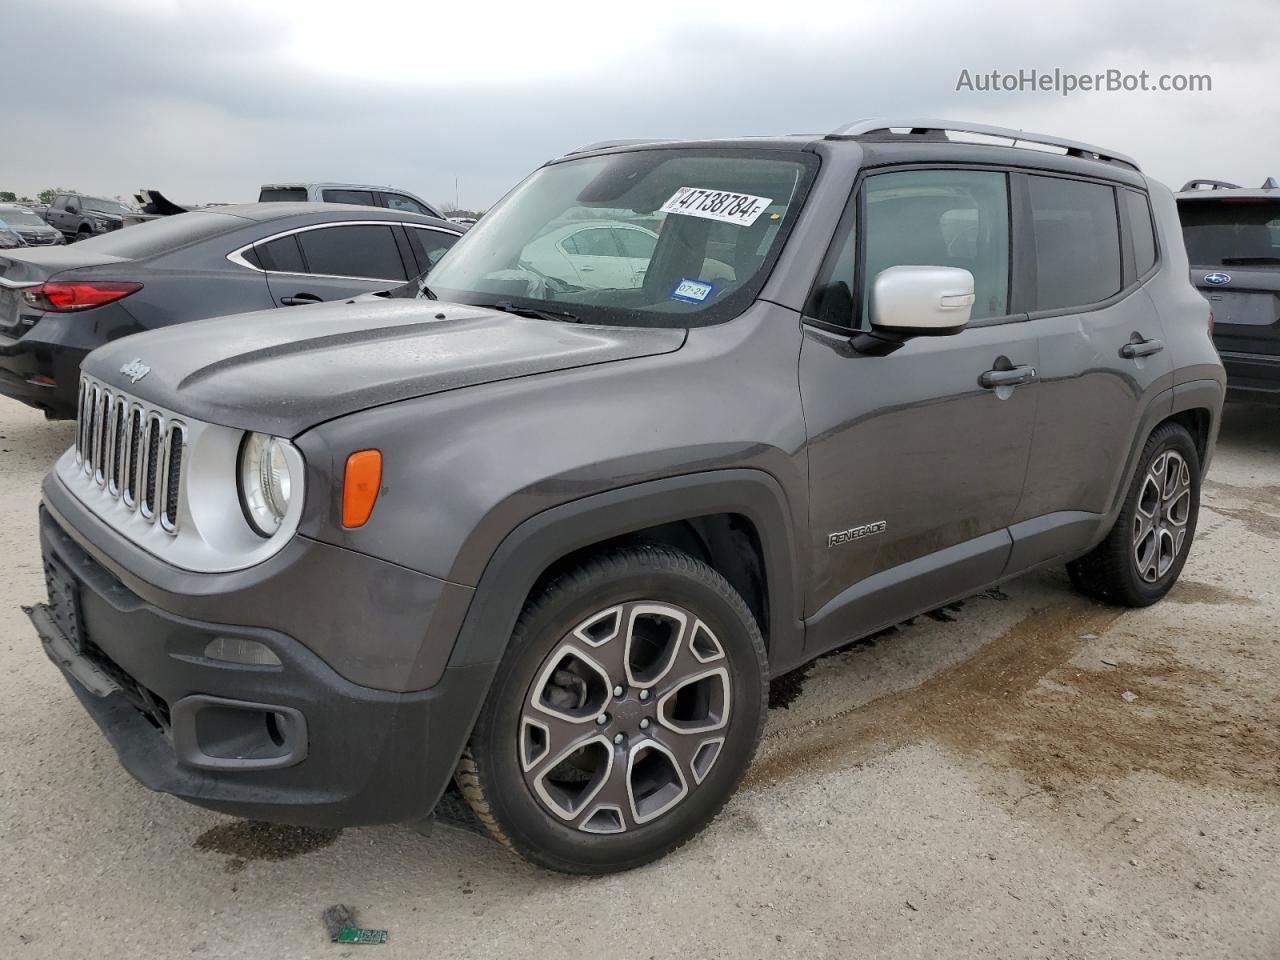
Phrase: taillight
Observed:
(69, 296)
(1211, 323)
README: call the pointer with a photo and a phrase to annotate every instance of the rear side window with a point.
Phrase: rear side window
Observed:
(596, 242)
(1077, 237)
(277, 194)
(282, 255)
(162, 235)
(364, 197)
(1144, 237)
(367, 251)
(636, 244)
(429, 245)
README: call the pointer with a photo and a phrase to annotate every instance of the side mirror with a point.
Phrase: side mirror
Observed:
(73, 207)
(912, 301)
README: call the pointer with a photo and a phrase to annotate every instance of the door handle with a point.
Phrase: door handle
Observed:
(1008, 378)
(1141, 348)
(298, 299)
(586, 269)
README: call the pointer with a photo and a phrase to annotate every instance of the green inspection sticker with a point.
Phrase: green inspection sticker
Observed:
(361, 935)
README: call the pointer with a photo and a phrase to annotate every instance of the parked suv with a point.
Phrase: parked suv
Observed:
(552, 539)
(390, 197)
(80, 217)
(1232, 236)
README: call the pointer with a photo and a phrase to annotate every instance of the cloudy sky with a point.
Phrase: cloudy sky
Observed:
(206, 101)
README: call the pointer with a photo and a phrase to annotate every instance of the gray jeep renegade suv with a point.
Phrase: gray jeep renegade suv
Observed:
(549, 528)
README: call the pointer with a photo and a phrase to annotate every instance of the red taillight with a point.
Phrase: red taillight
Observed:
(1211, 323)
(69, 296)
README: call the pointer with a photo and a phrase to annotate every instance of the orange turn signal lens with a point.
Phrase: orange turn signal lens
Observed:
(360, 486)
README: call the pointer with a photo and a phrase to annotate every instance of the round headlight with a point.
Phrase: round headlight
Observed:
(266, 482)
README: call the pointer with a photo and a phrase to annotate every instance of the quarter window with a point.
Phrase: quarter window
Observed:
(1077, 242)
(367, 251)
(429, 245)
(1144, 237)
(280, 256)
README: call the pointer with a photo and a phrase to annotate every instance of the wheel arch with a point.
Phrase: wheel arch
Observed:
(735, 520)
(1197, 405)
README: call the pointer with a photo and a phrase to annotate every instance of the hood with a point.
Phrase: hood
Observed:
(282, 371)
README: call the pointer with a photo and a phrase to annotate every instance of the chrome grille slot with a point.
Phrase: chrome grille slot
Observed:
(152, 454)
(81, 420)
(134, 444)
(175, 445)
(136, 453)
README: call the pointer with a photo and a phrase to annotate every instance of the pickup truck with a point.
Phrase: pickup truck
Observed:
(79, 217)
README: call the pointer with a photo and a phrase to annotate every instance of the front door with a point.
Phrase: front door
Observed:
(916, 459)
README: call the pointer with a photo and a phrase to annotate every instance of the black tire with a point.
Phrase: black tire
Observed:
(494, 773)
(83, 234)
(1110, 572)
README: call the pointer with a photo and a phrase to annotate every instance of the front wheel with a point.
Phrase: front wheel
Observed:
(1141, 557)
(628, 707)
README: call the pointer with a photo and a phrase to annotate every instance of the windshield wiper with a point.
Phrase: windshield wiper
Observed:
(1242, 261)
(535, 312)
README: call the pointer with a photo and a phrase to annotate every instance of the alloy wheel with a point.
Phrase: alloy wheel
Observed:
(626, 717)
(1160, 521)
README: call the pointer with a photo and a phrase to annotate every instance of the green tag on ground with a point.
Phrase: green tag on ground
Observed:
(361, 935)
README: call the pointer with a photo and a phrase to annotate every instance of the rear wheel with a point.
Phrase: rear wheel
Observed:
(628, 707)
(1144, 553)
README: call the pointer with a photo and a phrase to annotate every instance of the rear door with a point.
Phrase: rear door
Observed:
(1102, 351)
(598, 260)
(1234, 248)
(332, 261)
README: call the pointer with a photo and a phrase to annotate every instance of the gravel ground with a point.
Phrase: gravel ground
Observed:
(973, 783)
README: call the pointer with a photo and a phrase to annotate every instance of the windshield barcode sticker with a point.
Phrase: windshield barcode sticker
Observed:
(740, 208)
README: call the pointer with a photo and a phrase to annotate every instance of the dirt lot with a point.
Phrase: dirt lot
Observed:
(974, 783)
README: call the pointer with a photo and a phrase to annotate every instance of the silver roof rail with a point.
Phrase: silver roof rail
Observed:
(883, 125)
(1208, 185)
(606, 144)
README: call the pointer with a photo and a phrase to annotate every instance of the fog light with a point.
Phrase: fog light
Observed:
(236, 650)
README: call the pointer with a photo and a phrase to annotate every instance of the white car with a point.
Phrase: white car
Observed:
(602, 254)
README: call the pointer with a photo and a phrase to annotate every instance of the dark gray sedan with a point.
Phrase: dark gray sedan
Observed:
(57, 304)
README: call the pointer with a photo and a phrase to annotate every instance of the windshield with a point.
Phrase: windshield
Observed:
(1231, 232)
(106, 206)
(679, 237)
(12, 215)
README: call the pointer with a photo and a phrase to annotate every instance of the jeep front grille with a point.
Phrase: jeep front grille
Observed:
(132, 451)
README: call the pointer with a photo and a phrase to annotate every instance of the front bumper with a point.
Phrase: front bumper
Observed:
(293, 742)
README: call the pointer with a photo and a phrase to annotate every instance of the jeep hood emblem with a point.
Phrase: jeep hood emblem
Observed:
(1217, 279)
(135, 370)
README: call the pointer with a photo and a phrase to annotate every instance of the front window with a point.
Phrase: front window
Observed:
(1231, 233)
(661, 237)
(106, 206)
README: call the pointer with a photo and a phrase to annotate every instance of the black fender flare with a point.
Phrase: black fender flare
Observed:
(1192, 395)
(538, 542)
